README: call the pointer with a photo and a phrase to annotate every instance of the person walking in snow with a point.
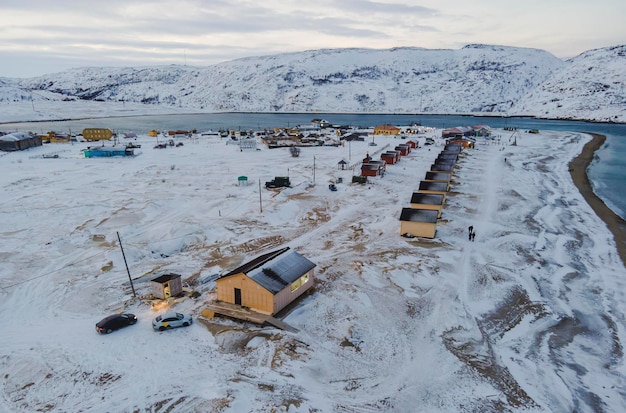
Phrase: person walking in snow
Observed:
(473, 235)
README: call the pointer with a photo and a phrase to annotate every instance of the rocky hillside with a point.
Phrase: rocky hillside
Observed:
(472, 80)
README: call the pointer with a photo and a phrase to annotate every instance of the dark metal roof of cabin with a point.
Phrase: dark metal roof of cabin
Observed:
(419, 215)
(165, 278)
(275, 270)
(441, 167)
(428, 199)
(448, 155)
(433, 186)
(438, 176)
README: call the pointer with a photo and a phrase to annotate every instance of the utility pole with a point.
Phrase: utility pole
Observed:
(260, 203)
(313, 168)
(126, 263)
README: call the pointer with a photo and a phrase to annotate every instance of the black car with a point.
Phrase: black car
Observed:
(115, 322)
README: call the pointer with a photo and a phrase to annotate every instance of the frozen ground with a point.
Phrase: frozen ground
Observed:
(529, 317)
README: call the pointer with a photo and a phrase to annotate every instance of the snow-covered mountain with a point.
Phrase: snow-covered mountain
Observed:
(473, 80)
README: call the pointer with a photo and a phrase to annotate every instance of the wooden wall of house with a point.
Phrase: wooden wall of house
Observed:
(418, 229)
(286, 296)
(252, 294)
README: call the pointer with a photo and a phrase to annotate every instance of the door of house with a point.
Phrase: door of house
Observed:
(166, 291)
(238, 296)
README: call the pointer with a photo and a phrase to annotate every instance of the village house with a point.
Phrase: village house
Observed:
(386, 130)
(420, 200)
(268, 283)
(418, 222)
(439, 188)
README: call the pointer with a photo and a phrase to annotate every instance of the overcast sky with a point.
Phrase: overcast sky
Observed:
(46, 36)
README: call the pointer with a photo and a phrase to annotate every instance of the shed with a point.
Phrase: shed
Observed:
(418, 222)
(342, 164)
(438, 177)
(420, 200)
(434, 188)
(439, 167)
(403, 149)
(242, 180)
(369, 169)
(382, 164)
(446, 155)
(412, 144)
(166, 286)
(268, 283)
(453, 148)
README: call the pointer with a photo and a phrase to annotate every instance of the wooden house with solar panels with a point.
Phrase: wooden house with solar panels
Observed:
(418, 222)
(445, 177)
(448, 156)
(442, 167)
(268, 283)
(420, 200)
(453, 148)
(439, 188)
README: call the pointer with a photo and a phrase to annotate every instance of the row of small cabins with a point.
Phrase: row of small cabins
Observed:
(420, 220)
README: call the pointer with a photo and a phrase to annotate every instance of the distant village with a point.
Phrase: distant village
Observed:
(259, 289)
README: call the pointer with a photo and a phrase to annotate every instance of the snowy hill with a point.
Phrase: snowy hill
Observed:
(472, 80)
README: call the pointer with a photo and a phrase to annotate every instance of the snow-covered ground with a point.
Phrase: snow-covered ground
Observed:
(528, 317)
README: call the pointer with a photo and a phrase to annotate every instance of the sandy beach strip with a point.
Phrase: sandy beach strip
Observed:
(578, 169)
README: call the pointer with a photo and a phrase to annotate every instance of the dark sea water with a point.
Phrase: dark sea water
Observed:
(607, 173)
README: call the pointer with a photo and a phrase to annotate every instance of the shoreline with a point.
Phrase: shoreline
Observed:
(578, 170)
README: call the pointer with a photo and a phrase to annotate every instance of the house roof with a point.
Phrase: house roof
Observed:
(433, 186)
(442, 167)
(426, 199)
(275, 270)
(165, 278)
(438, 176)
(419, 215)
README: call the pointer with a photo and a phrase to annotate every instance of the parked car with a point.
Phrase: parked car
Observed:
(171, 320)
(114, 322)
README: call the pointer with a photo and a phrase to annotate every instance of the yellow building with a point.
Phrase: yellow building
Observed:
(97, 134)
(418, 222)
(268, 283)
(386, 130)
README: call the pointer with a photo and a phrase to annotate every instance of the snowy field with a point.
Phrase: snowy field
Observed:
(527, 318)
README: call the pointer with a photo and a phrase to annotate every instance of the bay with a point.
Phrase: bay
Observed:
(607, 172)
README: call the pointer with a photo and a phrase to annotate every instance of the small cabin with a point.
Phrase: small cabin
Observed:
(370, 169)
(453, 147)
(420, 200)
(403, 149)
(438, 177)
(268, 283)
(439, 188)
(418, 222)
(166, 286)
(442, 167)
(448, 156)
